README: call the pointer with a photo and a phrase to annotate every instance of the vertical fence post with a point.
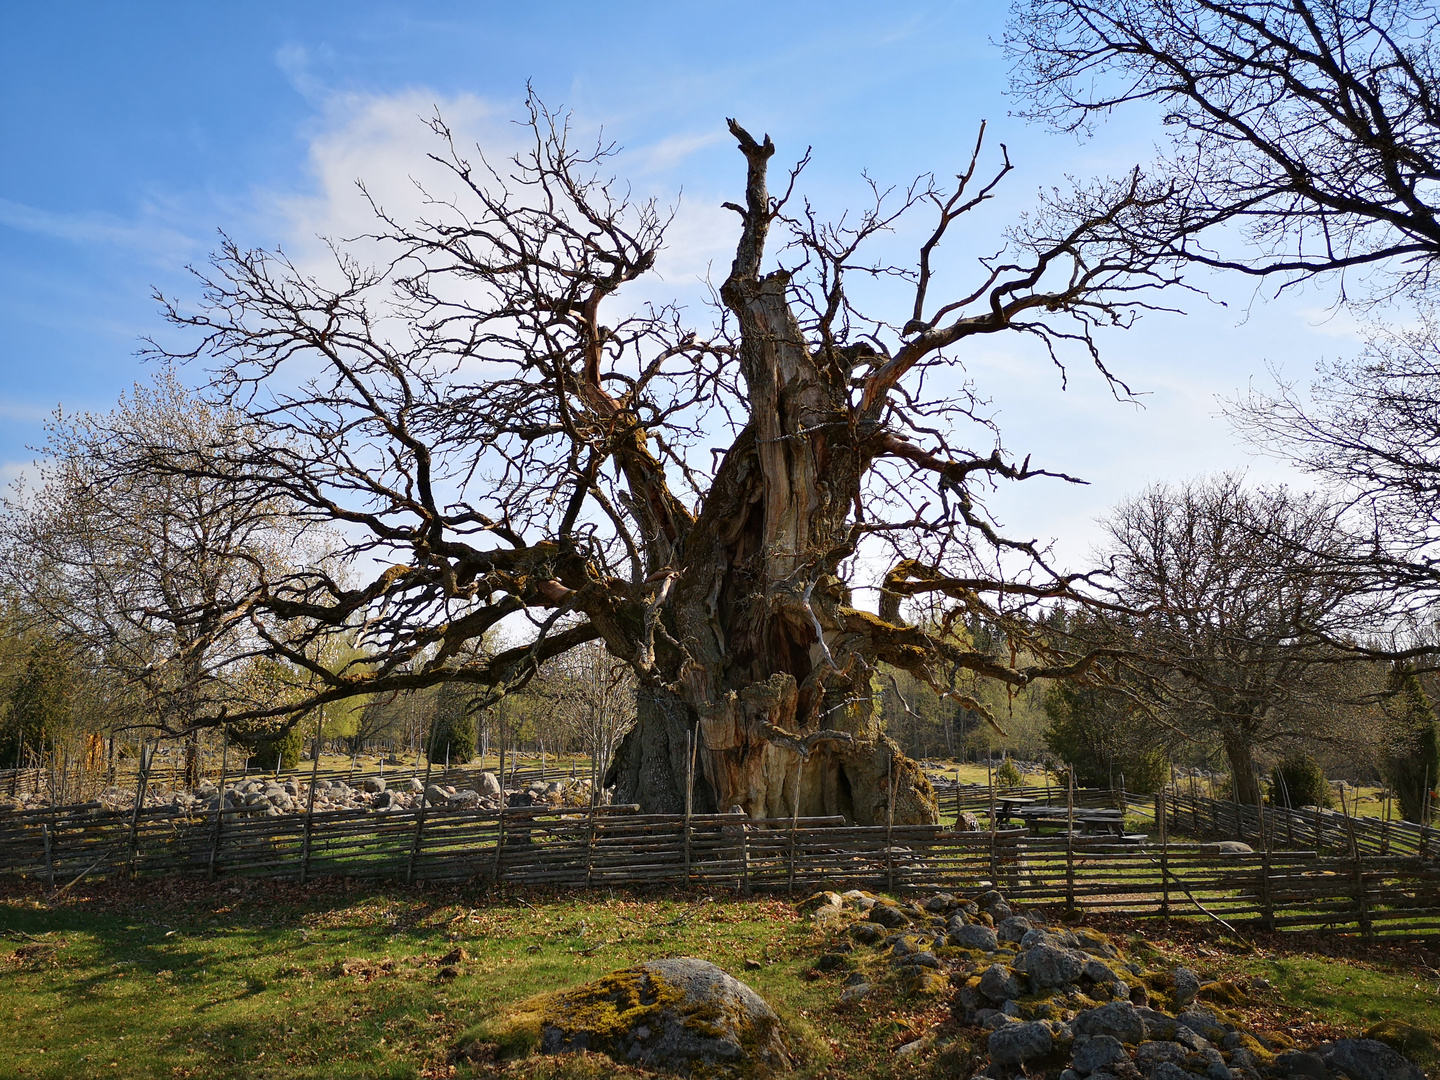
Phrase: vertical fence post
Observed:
(141, 779)
(890, 825)
(1385, 825)
(1164, 855)
(692, 743)
(310, 802)
(589, 842)
(219, 809)
(49, 857)
(794, 823)
(959, 813)
(1070, 843)
(1267, 906)
(500, 844)
(745, 855)
(420, 828)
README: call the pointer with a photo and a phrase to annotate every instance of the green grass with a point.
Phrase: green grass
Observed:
(250, 979)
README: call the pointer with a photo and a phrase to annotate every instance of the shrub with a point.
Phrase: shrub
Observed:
(1299, 781)
(270, 749)
(1008, 775)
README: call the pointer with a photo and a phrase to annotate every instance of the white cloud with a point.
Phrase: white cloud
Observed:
(384, 143)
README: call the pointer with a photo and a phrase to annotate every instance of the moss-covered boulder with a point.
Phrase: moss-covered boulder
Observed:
(681, 1015)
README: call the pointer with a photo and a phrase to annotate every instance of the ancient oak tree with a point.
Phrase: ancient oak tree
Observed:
(503, 436)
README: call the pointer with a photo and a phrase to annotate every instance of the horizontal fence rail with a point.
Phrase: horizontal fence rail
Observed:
(1396, 894)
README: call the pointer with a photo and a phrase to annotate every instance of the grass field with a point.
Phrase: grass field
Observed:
(263, 979)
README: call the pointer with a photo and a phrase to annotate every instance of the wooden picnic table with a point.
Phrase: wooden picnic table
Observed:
(1009, 805)
(1112, 821)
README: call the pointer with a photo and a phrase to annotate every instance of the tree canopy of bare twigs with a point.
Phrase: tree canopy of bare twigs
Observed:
(1313, 126)
(1241, 600)
(500, 434)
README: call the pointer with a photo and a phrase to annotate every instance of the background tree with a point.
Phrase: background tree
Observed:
(503, 438)
(1310, 126)
(144, 569)
(1412, 765)
(1309, 129)
(453, 733)
(39, 706)
(1239, 594)
(1297, 780)
(1104, 735)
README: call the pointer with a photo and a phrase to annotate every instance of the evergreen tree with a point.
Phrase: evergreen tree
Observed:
(1299, 781)
(1414, 760)
(279, 749)
(452, 730)
(37, 706)
(1091, 728)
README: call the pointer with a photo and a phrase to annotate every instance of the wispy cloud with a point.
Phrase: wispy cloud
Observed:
(151, 238)
(23, 412)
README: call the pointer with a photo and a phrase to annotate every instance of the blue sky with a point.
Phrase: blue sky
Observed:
(134, 132)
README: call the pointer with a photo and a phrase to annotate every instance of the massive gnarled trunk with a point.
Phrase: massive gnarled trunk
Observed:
(772, 669)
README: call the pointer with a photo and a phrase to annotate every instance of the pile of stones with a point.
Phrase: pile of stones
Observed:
(1057, 999)
(270, 797)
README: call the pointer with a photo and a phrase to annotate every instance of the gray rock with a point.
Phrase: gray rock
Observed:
(384, 800)
(435, 795)
(867, 933)
(1000, 912)
(465, 797)
(1013, 928)
(1187, 985)
(973, 936)
(1096, 945)
(923, 959)
(1168, 1070)
(1157, 1024)
(1148, 1055)
(1015, 1044)
(853, 995)
(1204, 1022)
(1099, 971)
(1297, 1064)
(1011, 1009)
(1050, 966)
(889, 916)
(1218, 1070)
(999, 983)
(373, 784)
(1227, 847)
(1191, 1040)
(719, 1026)
(412, 785)
(1116, 1018)
(1369, 1059)
(487, 785)
(1097, 1051)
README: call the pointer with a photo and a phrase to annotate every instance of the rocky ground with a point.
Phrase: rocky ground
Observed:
(1066, 1002)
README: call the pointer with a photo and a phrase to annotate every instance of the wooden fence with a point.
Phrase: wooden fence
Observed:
(1394, 895)
(1308, 826)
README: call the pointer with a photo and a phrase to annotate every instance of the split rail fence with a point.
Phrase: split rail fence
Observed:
(1390, 895)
